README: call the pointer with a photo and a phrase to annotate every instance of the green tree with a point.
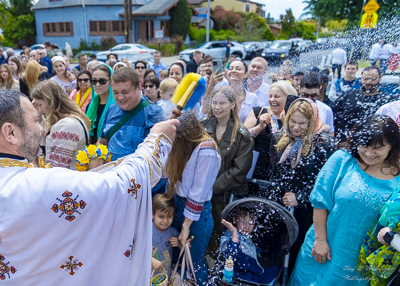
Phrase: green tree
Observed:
(306, 29)
(20, 28)
(181, 16)
(20, 23)
(289, 26)
(348, 9)
(336, 25)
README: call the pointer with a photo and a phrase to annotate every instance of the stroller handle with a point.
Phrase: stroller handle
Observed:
(262, 183)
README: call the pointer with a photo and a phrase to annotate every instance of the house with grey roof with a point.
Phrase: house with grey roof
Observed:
(73, 21)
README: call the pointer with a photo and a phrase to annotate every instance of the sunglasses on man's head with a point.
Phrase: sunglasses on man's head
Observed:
(140, 67)
(148, 86)
(101, 81)
(83, 80)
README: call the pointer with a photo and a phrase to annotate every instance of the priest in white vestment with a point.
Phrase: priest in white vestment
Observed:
(63, 227)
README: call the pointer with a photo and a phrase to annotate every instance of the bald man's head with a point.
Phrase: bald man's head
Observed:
(258, 68)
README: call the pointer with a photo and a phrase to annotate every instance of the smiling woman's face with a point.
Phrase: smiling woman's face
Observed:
(237, 71)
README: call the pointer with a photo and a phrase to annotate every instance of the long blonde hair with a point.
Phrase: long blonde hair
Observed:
(189, 134)
(32, 72)
(285, 139)
(57, 102)
(9, 82)
(230, 95)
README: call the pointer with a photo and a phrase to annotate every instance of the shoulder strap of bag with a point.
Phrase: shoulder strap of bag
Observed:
(84, 131)
(126, 118)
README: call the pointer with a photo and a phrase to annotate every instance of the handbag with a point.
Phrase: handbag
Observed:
(177, 279)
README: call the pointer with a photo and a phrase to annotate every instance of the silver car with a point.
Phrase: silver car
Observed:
(132, 52)
(217, 49)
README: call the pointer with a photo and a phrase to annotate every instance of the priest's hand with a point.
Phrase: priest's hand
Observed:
(167, 127)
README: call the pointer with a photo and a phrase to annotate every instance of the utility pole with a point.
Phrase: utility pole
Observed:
(126, 23)
(130, 31)
(85, 23)
(208, 22)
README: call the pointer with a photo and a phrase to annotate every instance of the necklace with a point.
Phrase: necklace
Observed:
(6, 162)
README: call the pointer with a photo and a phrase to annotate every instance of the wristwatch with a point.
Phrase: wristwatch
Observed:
(388, 237)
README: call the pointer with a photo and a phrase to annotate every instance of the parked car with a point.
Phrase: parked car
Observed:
(305, 45)
(281, 50)
(133, 52)
(253, 49)
(266, 44)
(216, 49)
(321, 44)
(296, 41)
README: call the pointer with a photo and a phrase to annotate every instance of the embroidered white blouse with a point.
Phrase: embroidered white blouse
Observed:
(198, 178)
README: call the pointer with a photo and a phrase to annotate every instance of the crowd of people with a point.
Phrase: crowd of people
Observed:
(331, 148)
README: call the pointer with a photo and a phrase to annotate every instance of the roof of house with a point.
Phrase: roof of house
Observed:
(48, 4)
(158, 8)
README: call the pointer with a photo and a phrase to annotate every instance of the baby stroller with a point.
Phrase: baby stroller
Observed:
(275, 232)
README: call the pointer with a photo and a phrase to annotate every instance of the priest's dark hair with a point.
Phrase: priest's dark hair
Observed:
(10, 108)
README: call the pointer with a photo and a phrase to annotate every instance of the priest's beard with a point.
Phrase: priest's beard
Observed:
(30, 147)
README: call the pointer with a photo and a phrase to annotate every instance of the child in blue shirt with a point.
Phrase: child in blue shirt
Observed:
(165, 237)
(237, 243)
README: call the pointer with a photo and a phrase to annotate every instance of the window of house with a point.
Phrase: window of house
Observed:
(247, 8)
(100, 28)
(58, 29)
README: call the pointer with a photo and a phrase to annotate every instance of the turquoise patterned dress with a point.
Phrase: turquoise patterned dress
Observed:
(353, 200)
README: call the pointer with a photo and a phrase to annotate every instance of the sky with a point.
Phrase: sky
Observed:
(278, 7)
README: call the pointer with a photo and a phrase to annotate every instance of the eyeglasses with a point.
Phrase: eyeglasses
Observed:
(140, 68)
(148, 86)
(84, 80)
(101, 81)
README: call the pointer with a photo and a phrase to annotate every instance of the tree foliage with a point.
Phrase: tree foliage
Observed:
(348, 9)
(226, 20)
(20, 28)
(181, 16)
(336, 25)
(19, 21)
(291, 29)
(240, 23)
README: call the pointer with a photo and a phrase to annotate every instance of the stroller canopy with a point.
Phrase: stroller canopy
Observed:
(265, 207)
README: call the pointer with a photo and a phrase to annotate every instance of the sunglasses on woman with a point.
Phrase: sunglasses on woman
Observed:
(101, 81)
(148, 86)
(83, 80)
(140, 67)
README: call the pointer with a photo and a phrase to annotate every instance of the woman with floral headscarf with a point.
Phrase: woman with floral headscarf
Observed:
(297, 155)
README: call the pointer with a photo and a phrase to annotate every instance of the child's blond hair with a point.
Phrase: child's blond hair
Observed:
(168, 85)
(162, 203)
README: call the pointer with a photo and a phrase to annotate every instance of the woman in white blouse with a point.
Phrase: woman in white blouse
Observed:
(61, 78)
(192, 168)
(66, 123)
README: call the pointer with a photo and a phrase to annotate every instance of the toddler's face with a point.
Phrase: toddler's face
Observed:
(162, 220)
(244, 224)
(71, 76)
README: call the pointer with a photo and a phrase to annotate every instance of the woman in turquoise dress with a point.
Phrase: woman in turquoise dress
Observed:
(349, 192)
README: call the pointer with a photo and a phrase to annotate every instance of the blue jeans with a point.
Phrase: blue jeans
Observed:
(201, 230)
(338, 68)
